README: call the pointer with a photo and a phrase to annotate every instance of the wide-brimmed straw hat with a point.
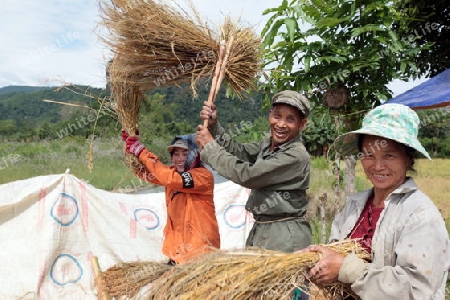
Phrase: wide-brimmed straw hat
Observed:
(396, 122)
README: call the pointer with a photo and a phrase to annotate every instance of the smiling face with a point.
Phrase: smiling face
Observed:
(285, 124)
(178, 157)
(385, 163)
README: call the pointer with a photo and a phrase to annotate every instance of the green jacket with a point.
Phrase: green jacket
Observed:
(278, 180)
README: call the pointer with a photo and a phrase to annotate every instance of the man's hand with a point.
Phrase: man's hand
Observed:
(202, 136)
(209, 113)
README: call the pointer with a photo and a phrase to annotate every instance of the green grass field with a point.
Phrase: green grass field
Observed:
(103, 166)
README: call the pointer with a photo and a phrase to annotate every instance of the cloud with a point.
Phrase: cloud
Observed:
(398, 86)
(42, 41)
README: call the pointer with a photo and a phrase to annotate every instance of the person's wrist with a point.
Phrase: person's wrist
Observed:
(134, 146)
(352, 268)
(212, 124)
(137, 148)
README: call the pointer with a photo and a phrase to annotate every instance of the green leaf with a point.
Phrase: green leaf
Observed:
(307, 63)
(330, 59)
(393, 36)
(383, 97)
(413, 66)
(291, 26)
(270, 36)
(302, 15)
(289, 62)
(271, 10)
(402, 67)
(268, 25)
(329, 22)
(353, 8)
(367, 28)
(382, 39)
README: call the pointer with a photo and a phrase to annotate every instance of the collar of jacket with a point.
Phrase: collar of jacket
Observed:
(296, 139)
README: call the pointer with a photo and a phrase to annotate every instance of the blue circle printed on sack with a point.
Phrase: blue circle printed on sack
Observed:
(234, 215)
(65, 270)
(64, 210)
(147, 218)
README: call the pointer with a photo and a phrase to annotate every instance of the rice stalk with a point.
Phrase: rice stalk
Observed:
(247, 274)
(126, 99)
(126, 279)
(161, 45)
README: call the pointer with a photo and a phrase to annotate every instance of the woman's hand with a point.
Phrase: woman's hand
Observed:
(132, 143)
(326, 270)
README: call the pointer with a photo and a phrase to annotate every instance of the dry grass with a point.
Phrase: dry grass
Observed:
(127, 101)
(233, 274)
(159, 44)
(433, 178)
(126, 279)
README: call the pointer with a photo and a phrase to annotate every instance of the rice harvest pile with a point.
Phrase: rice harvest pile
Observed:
(239, 274)
(155, 44)
(126, 279)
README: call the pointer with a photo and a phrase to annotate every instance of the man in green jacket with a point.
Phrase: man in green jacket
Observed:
(276, 169)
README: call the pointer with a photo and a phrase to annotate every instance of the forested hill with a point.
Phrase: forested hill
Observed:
(231, 109)
(169, 111)
(23, 109)
(172, 110)
(19, 88)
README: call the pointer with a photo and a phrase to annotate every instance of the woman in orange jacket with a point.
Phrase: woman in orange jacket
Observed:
(191, 227)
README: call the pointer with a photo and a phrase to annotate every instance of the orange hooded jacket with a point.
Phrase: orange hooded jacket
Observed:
(191, 227)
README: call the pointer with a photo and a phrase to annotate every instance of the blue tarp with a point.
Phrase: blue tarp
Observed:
(435, 92)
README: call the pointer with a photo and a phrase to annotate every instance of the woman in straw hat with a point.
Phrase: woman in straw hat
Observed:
(191, 227)
(397, 223)
(276, 169)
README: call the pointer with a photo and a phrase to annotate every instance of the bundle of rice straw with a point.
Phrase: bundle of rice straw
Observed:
(128, 98)
(161, 45)
(155, 44)
(126, 279)
(249, 274)
(242, 274)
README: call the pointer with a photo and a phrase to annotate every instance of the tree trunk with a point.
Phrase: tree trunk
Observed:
(322, 207)
(349, 178)
(337, 188)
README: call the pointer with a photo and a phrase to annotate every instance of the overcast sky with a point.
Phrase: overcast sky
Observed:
(54, 41)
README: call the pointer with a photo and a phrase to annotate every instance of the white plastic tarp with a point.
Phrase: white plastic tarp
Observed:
(52, 226)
